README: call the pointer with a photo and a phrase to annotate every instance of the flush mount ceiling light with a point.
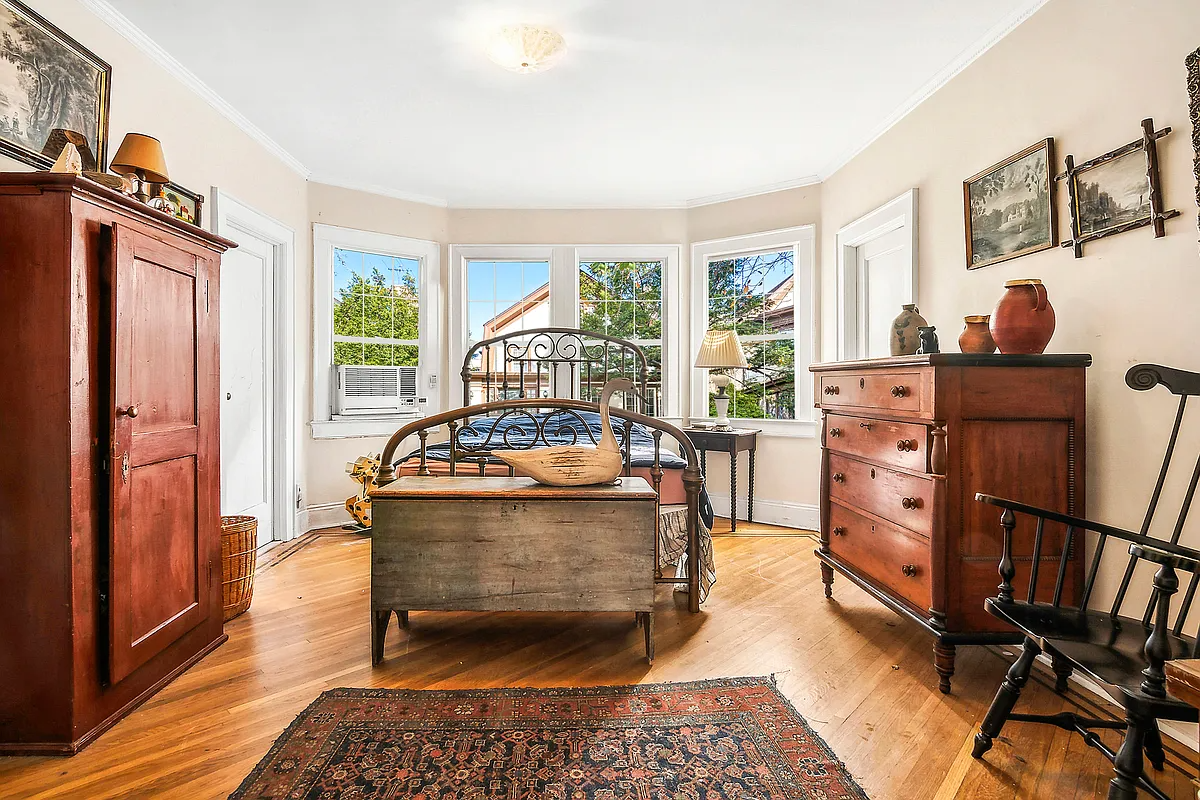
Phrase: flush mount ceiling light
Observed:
(526, 48)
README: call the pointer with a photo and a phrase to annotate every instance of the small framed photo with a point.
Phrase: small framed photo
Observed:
(1009, 207)
(188, 205)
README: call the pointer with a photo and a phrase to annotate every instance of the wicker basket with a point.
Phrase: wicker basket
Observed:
(239, 540)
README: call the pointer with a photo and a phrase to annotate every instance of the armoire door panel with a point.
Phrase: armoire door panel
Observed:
(157, 562)
(164, 345)
(164, 563)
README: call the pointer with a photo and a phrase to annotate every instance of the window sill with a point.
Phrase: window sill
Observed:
(368, 427)
(775, 428)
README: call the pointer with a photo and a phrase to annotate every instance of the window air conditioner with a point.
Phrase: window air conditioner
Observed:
(363, 390)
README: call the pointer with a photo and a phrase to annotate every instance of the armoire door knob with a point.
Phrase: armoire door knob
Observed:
(130, 412)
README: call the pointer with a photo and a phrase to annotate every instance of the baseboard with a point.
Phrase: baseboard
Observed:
(325, 515)
(773, 512)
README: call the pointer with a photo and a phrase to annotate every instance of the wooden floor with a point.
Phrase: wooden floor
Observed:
(860, 675)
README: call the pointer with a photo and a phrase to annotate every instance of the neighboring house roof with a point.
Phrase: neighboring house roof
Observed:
(513, 313)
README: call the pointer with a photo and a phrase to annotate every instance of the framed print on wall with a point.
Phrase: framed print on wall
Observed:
(1009, 207)
(1117, 192)
(51, 88)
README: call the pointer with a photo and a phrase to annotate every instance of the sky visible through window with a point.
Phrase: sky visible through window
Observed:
(495, 287)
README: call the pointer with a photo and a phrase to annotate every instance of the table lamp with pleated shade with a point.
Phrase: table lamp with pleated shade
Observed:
(141, 156)
(721, 350)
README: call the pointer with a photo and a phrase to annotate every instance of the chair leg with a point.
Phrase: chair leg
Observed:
(1006, 699)
(1128, 763)
(1062, 671)
(1154, 747)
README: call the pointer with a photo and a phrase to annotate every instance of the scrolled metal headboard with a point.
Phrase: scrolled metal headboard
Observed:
(558, 362)
(555, 408)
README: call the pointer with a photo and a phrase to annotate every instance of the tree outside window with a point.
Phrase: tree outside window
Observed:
(376, 309)
(624, 299)
(754, 295)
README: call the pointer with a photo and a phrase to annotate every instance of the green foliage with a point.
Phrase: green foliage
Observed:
(621, 298)
(738, 300)
(372, 307)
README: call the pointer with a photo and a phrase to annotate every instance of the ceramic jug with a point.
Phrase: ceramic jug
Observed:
(904, 340)
(976, 336)
(1023, 320)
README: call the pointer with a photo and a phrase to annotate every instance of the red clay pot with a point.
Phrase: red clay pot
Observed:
(1023, 320)
(976, 337)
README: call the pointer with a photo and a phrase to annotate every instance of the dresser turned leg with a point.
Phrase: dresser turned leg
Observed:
(827, 579)
(943, 662)
(648, 627)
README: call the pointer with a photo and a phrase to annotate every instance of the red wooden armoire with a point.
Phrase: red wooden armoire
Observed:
(110, 573)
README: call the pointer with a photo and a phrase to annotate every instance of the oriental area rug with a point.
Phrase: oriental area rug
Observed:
(729, 739)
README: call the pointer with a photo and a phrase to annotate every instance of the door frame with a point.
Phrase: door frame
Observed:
(231, 217)
(896, 214)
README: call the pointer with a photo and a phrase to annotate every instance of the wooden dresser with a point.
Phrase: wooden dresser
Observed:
(110, 541)
(906, 444)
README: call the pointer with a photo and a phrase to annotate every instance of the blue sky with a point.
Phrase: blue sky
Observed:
(493, 286)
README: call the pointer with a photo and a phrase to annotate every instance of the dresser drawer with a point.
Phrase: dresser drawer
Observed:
(900, 444)
(896, 496)
(890, 391)
(890, 555)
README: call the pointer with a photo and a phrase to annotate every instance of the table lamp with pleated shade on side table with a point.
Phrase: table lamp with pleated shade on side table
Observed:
(721, 350)
(141, 157)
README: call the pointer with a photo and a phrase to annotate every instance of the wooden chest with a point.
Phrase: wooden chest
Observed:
(906, 444)
(510, 544)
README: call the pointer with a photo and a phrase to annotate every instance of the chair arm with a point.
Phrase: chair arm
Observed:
(1159, 555)
(1098, 527)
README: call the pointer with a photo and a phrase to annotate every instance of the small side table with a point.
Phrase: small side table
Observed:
(732, 442)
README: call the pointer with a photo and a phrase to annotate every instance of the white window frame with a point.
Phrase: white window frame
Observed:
(564, 298)
(801, 240)
(325, 425)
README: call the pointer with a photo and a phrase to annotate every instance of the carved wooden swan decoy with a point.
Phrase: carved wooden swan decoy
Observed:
(570, 464)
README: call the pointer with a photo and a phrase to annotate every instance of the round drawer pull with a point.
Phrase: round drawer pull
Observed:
(909, 570)
(899, 391)
(839, 477)
(835, 432)
(865, 425)
(911, 502)
(838, 531)
(907, 445)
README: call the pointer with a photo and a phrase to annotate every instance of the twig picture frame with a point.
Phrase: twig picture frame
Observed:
(1117, 192)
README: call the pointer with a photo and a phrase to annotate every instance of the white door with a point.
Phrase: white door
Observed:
(884, 285)
(247, 369)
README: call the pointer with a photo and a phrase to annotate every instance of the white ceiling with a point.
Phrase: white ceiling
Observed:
(657, 102)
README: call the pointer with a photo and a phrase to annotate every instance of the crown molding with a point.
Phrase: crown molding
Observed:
(782, 186)
(382, 191)
(944, 76)
(139, 39)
